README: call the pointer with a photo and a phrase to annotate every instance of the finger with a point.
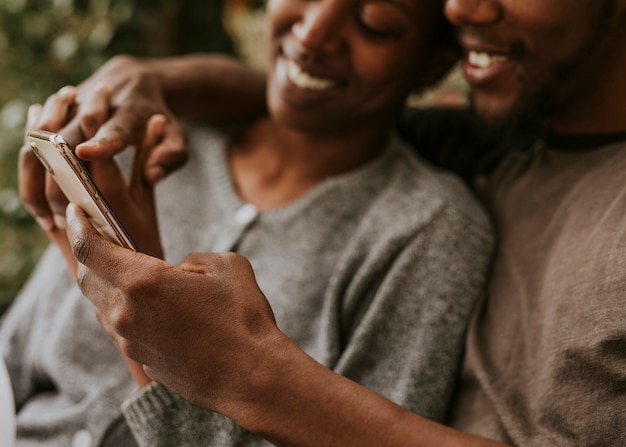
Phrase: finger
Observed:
(155, 129)
(56, 201)
(32, 116)
(56, 110)
(117, 265)
(94, 110)
(108, 176)
(31, 186)
(169, 155)
(32, 178)
(111, 138)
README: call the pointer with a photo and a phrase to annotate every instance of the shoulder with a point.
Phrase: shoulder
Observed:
(421, 195)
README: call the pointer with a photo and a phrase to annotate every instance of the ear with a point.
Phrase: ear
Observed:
(444, 56)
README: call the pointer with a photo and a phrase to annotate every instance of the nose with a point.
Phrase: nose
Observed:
(473, 12)
(320, 25)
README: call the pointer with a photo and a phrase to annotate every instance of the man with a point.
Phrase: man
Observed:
(546, 362)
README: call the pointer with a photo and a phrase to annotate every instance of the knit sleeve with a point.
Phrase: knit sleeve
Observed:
(19, 323)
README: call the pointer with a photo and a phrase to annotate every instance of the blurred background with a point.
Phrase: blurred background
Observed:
(46, 44)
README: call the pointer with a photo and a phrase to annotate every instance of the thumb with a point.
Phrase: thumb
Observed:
(88, 245)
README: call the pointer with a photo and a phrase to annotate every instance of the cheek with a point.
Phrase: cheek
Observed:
(383, 69)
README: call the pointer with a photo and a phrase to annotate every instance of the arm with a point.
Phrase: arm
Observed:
(210, 88)
(108, 112)
(280, 379)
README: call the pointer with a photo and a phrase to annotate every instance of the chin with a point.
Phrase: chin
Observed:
(493, 108)
(515, 121)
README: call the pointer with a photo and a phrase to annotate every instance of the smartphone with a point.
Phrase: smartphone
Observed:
(74, 179)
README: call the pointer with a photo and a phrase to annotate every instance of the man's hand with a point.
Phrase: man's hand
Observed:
(195, 326)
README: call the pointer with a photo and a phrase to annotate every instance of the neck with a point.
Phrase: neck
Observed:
(273, 165)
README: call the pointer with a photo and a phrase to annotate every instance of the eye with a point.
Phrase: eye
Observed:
(382, 19)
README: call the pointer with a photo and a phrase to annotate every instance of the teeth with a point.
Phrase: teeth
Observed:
(305, 80)
(482, 59)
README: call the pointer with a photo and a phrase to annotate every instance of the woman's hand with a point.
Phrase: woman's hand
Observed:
(101, 117)
(133, 202)
(111, 112)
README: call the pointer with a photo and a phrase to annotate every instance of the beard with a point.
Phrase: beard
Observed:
(518, 130)
(540, 104)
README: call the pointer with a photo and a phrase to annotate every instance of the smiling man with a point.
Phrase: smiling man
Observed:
(546, 351)
(546, 357)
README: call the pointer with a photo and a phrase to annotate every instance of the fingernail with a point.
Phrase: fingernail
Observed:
(60, 221)
(46, 223)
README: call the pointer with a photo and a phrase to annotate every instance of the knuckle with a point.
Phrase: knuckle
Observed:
(127, 347)
(121, 60)
(136, 288)
(120, 321)
(235, 260)
(65, 95)
(141, 288)
(82, 279)
(92, 118)
(81, 248)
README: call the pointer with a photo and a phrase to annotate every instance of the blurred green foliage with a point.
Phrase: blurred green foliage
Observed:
(46, 44)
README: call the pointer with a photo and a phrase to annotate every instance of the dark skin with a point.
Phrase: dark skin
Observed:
(109, 112)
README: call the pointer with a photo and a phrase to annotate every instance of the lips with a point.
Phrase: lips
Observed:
(305, 80)
(488, 56)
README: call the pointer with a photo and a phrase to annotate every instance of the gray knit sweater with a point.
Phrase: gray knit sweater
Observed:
(373, 273)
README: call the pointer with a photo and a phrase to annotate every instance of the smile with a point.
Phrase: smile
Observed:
(481, 59)
(305, 80)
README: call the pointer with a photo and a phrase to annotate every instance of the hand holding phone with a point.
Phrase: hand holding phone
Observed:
(74, 179)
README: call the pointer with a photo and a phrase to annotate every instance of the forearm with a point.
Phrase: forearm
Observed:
(211, 88)
(295, 401)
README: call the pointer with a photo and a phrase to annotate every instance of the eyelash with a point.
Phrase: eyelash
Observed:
(373, 32)
(368, 30)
